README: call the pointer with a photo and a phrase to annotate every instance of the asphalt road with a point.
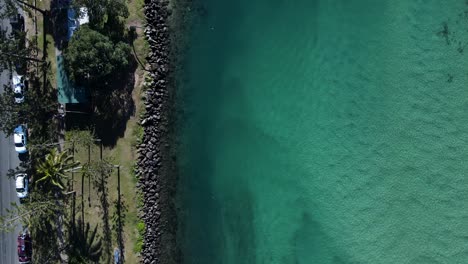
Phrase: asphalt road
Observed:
(8, 160)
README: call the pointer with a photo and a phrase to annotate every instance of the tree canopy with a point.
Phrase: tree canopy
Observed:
(37, 113)
(106, 16)
(10, 112)
(9, 8)
(15, 49)
(91, 57)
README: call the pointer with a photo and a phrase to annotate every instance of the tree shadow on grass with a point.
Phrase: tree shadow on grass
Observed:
(59, 20)
(114, 107)
(118, 222)
(46, 248)
(100, 173)
(111, 107)
(85, 244)
(79, 117)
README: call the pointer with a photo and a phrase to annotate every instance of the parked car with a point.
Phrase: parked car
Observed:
(19, 138)
(24, 248)
(22, 185)
(18, 87)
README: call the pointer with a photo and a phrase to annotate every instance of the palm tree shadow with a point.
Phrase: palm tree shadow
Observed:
(86, 245)
(100, 173)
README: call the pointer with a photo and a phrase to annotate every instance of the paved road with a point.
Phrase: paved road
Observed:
(8, 160)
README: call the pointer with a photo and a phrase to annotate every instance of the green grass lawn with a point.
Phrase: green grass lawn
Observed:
(137, 18)
(124, 154)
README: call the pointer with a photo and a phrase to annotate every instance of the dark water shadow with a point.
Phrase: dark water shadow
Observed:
(202, 233)
(311, 242)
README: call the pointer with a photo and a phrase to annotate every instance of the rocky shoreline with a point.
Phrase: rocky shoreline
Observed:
(155, 165)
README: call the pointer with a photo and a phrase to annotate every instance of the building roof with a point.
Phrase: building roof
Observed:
(73, 22)
(68, 92)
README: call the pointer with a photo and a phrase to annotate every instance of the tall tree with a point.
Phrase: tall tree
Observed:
(106, 16)
(16, 49)
(11, 113)
(39, 216)
(9, 9)
(38, 113)
(94, 63)
(28, 214)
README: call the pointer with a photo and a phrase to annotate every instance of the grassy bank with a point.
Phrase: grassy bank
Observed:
(123, 153)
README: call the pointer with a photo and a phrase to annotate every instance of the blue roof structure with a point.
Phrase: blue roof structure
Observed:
(68, 92)
(72, 22)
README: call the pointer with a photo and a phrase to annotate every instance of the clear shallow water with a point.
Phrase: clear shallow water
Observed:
(325, 132)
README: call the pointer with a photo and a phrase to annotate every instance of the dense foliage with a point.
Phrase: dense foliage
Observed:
(11, 114)
(106, 16)
(8, 8)
(91, 57)
(37, 113)
(13, 50)
(53, 170)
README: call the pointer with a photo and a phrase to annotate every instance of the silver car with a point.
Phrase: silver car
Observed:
(18, 88)
(19, 138)
(22, 185)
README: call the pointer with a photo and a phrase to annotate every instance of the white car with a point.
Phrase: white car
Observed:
(18, 87)
(22, 185)
(19, 138)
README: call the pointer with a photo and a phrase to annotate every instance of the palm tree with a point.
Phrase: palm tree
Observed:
(54, 167)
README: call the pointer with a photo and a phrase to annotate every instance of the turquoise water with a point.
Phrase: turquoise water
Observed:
(329, 131)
